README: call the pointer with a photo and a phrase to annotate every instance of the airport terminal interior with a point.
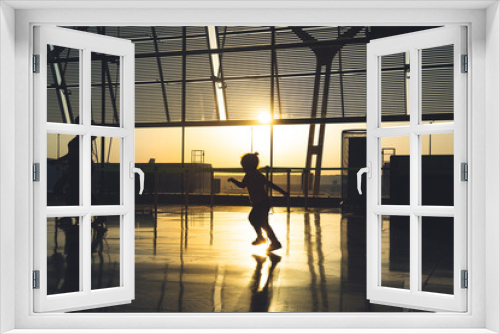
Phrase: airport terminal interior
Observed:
(204, 97)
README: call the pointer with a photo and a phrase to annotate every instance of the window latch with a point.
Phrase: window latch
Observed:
(368, 171)
(134, 170)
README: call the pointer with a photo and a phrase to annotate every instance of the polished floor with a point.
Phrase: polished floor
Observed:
(202, 260)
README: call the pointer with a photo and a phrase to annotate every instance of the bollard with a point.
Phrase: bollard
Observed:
(186, 189)
(306, 187)
(288, 172)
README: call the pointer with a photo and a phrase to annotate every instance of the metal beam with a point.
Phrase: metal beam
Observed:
(330, 43)
(160, 72)
(212, 76)
(312, 127)
(184, 69)
(322, 129)
(239, 32)
(277, 76)
(221, 71)
(341, 80)
(111, 93)
(252, 77)
(271, 112)
(184, 183)
(285, 121)
(217, 78)
(324, 57)
(305, 121)
(61, 87)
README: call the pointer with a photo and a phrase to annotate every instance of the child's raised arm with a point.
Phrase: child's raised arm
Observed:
(236, 182)
(277, 188)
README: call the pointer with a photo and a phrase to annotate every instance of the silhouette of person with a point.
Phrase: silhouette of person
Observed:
(255, 183)
(74, 171)
(71, 227)
(73, 159)
(71, 282)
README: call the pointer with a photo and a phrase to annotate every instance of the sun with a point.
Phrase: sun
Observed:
(264, 118)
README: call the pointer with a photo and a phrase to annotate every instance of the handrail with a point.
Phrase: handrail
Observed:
(230, 170)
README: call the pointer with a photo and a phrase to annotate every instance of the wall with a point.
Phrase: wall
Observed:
(7, 159)
(305, 17)
(491, 167)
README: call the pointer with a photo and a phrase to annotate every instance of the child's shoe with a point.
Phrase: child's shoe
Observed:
(259, 241)
(274, 246)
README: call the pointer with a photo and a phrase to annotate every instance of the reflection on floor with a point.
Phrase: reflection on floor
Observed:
(203, 261)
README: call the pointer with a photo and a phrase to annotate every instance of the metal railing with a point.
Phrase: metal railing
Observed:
(209, 185)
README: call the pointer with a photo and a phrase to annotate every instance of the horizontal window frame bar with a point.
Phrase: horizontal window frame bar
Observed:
(418, 210)
(94, 210)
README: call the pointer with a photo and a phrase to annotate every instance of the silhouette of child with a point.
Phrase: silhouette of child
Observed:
(255, 183)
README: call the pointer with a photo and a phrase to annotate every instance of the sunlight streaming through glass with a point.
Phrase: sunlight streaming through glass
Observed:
(265, 118)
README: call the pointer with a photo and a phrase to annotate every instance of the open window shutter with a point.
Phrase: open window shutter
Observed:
(83, 163)
(416, 191)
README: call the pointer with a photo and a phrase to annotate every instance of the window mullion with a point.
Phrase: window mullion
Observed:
(415, 251)
(86, 177)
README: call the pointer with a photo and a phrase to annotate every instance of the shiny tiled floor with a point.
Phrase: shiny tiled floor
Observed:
(204, 262)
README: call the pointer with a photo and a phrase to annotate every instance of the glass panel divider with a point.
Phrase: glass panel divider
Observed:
(414, 254)
(85, 185)
(86, 253)
(414, 169)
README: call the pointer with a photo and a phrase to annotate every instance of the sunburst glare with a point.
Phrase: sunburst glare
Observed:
(265, 118)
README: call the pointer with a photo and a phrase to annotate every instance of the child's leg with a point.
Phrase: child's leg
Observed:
(263, 216)
(253, 218)
(270, 233)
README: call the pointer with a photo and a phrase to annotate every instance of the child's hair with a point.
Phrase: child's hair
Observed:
(250, 160)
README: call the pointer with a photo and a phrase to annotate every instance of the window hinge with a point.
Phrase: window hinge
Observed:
(464, 172)
(465, 64)
(36, 279)
(36, 172)
(465, 279)
(36, 63)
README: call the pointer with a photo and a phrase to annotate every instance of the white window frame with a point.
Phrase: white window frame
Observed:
(484, 211)
(86, 44)
(414, 43)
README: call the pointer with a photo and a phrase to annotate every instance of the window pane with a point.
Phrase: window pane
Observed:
(105, 89)
(161, 144)
(437, 83)
(437, 169)
(63, 84)
(106, 158)
(158, 152)
(105, 252)
(395, 82)
(63, 255)
(395, 251)
(353, 157)
(224, 146)
(63, 169)
(437, 254)
(287, 139)
(395, 170)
